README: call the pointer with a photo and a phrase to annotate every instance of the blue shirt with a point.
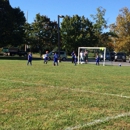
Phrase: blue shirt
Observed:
(30, 57)
(55, 56)
(97, 59)
(46, 55)
(72, 54)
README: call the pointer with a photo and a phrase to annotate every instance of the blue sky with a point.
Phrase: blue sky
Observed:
(53, 8)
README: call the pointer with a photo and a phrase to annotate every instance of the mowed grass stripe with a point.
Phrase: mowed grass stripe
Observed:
(77, 90)
(72, 106)
(54, 98)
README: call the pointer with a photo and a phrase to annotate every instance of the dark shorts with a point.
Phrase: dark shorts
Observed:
(86, 57)
(55, 60)
(46, 58)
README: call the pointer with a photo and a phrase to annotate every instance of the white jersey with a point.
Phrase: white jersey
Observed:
(46, 55)
(81, 54)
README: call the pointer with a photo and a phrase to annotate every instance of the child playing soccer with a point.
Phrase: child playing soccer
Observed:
(75, 59)
(72, 54)
(55, 59)
(97, 59)
(29, 58)
(46, 57)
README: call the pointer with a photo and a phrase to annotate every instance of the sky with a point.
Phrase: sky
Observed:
(53, 8)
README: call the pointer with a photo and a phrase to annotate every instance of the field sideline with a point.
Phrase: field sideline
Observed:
(64, 97)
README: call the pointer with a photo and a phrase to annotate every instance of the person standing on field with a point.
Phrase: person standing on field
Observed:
(81, 57)
(86, 56)
(75, 59)
(97, 59)
(72, 54)
(29, 59)
(46, 57)
(55, 58)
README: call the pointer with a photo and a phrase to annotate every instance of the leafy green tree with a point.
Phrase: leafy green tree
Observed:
(28, 35)
(11, 25)
(18, 21)
(76, 31)
(100, 24)
(5, 22)
(45, 32)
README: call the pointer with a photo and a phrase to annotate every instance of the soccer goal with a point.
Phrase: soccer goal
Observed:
(92, 48)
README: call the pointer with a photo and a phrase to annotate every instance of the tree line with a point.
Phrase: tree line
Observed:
(75, 31)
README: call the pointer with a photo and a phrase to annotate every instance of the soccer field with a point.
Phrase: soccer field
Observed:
(64, 97)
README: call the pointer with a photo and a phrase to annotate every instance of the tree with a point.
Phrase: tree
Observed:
(18, 20)
(45, 32)
(122, 30)
(28, 35)
(76, 31)
(107, 40)
(99, 24)
(11, 25)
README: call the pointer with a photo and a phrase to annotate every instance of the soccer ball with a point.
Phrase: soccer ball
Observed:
(120, 64)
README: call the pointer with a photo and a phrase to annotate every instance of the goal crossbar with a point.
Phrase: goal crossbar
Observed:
(101, 48)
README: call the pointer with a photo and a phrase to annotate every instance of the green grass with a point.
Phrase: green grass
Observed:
(47, 97)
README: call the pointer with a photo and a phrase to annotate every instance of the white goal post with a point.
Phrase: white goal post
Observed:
(101, 48)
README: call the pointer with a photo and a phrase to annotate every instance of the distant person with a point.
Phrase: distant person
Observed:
(46, 58)
(86, 56)
(81, 57)
(75, 59)
(72, 54)
(29, 59)
(55, 58)
(97, 59)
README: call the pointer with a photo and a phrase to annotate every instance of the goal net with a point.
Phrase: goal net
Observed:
(98, 50)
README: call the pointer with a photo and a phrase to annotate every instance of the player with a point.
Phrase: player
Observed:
(55, 58)
(75, 59)
(72, 54)
(29, 59)
(97, 59)
(46, 57)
